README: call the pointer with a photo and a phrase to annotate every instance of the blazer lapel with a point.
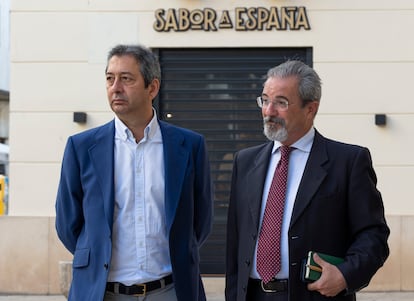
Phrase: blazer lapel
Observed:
(175, 165)
(102, 157)
(312, 178)
(255, 180)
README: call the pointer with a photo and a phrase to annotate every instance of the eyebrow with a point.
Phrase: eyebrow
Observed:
(277, 97)
(121, 73)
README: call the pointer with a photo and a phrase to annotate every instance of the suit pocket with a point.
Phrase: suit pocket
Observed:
(81, 258)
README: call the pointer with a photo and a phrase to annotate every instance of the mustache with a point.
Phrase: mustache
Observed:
(275, 120)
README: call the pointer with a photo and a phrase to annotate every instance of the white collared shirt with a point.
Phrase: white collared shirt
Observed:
(297, 162)
(140, 250)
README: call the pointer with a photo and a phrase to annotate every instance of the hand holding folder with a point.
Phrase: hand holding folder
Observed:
(311, 271)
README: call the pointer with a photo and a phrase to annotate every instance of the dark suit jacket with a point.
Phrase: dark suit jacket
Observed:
(85, 206)
(337, 211)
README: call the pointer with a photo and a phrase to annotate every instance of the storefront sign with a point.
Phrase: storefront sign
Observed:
(244, 19)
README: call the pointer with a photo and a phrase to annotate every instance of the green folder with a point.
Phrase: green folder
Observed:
(311, 271)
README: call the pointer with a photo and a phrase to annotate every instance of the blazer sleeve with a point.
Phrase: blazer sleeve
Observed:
(368, 249)
(69, 216)
(232, 238)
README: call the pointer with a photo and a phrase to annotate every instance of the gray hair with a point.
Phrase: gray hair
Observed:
(309, 81)
(147, 60)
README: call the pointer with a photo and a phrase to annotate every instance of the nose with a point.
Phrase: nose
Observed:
(116, 86)
(270, 109)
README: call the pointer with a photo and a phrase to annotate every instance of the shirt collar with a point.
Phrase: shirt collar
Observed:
(304, 143)
(151, 131)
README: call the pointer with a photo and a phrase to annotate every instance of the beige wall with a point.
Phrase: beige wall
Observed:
(30, 255)
(363, 51)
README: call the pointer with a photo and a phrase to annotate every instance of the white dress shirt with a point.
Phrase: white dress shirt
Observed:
(297, 162)
(140, 250)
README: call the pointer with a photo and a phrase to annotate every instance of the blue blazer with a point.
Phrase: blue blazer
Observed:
(85, 207)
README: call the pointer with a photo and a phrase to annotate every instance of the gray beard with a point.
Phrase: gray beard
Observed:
(275, 133)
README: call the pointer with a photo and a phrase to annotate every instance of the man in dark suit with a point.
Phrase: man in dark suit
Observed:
(134, 202)
(331, 203)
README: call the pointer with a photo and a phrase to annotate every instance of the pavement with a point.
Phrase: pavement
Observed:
(362, 296)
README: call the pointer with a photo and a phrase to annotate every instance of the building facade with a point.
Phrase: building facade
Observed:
(214, 55)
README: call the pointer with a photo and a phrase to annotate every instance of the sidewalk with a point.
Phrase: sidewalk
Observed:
(368, 296)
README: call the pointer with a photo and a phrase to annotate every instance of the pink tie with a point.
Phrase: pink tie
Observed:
(268, 249)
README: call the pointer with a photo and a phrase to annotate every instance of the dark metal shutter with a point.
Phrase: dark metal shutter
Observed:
(213, 92)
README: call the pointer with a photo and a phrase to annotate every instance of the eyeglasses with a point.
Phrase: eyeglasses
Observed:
(280, 104)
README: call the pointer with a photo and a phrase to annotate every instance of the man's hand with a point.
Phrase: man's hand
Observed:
(331, 283)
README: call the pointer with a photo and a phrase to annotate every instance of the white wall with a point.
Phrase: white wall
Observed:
(363, 50)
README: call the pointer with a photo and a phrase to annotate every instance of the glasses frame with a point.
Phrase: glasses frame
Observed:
(280, 104)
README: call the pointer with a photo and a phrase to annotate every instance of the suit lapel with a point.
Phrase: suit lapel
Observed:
(312, 178)
(102, 157)
(256, 177)
(175, 165)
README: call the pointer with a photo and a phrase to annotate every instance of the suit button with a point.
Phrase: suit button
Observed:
(106, 266)
(247, 262)
(254, 236)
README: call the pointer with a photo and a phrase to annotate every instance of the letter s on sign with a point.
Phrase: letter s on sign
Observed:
(159, 23)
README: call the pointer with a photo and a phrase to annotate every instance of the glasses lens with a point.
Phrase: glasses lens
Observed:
(283, 104)
(278, 104)
(259, 101)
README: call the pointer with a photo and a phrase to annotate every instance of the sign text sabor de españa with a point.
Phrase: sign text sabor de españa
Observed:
(243, 19)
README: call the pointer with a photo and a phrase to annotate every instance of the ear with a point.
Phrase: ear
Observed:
(153, 88)
(313, 107)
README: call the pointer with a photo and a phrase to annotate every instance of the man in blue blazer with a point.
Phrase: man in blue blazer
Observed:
(134, 202)
(331, 203)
